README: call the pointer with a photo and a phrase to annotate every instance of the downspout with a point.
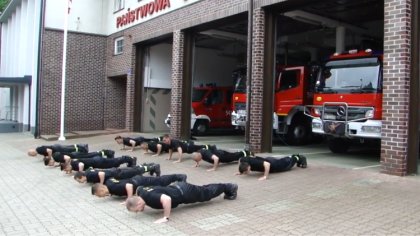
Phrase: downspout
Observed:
(39, 71)
(249, 74)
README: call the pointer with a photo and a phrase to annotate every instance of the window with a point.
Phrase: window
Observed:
(118, 5)
(118, 45)
(289, 79)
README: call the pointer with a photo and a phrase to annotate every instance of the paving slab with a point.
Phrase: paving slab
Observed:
(323, 199)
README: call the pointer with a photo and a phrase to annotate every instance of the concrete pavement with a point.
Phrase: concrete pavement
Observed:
(323, 199)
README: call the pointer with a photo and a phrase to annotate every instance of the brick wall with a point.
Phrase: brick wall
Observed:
(114, 97)
(257, 80)
(176, 92)
(396, 86)
(85, 79)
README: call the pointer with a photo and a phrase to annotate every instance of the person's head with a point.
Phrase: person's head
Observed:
(66, 167)
(244, 168)
(80, 177)
(166, 139)
(119, 139)
(100, 190)
(135, 204)
(196, 156)
(32, 152)
(48, 161)
(144, 146)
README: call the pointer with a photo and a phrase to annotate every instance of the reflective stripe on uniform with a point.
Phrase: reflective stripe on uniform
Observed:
(77, 149)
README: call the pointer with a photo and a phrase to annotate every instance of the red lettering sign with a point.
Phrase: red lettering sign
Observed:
(142, 11)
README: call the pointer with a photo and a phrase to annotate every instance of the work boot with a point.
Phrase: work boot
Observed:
(248, 153)
(86, 147)
(133, 161)
(231, 191)
(154, 169)
(181, 178)
(107, 153)
(301, 162)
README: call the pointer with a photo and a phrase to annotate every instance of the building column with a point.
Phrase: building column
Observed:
(130, 100)
(176, 80)
(256, 115)
(396, 76)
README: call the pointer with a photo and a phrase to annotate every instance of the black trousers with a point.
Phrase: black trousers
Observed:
(71, 148)
(163, 180)
(128, 172)
(194, 193)
(105, 163)
(282, 164)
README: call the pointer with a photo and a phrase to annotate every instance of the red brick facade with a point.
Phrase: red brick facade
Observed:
(257, 80)
(397, 39)
(85, 80)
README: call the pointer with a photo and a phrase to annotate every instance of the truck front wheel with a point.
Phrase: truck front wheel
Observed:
(338, 145)
(298, 132)
(201, 127)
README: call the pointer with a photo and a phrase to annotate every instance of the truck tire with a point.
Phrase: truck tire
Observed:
(201, 127)
(298, 132)
(338, 145)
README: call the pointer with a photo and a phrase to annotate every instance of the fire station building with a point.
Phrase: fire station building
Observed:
(131, 62)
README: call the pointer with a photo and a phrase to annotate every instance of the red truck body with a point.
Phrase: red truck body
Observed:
(348, 99)
(293, 90)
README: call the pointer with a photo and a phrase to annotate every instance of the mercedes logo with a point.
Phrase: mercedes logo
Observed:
(341, 111)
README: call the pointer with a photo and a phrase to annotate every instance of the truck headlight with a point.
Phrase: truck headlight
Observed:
(369, 114)
(317, 111)
(316, 125)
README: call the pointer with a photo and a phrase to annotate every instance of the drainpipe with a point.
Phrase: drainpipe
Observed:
(249, 73)
(39, 71)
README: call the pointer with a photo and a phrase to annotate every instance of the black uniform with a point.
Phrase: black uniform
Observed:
(152, 146)
(114, 172)
(188, 146)
(276, 164)
(117, 187)
(102, 163)
(139, 140)
(59, 157)
(224, 156)
(42, 150)
(183, 193)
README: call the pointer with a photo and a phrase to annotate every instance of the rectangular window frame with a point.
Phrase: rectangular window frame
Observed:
(118, 5)
(118, 45)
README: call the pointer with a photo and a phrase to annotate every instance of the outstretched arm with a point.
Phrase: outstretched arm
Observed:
(133, 144)
(49, 152)
(215, 162)
(167, 206)
(179, 155)
(170, 154)
(159, 150)
(101, 176)
(266, 170)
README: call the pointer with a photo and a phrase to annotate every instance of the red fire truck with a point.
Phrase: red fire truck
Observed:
(292, 92)
(211, 108)
(347, 104)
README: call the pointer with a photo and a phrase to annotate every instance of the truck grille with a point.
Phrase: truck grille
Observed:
(240, 106)
(339, 113)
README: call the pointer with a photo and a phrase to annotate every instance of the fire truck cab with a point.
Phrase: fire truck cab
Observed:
(211, 108)
(347, 102)
(293, 90)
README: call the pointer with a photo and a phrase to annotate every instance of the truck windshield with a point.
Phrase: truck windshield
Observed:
(198, 94)
(361, 75)
(239, 77)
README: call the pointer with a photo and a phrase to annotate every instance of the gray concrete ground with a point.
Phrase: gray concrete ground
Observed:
(335, 195)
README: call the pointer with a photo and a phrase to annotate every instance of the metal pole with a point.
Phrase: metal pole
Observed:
(249, 74)
(63, 72)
